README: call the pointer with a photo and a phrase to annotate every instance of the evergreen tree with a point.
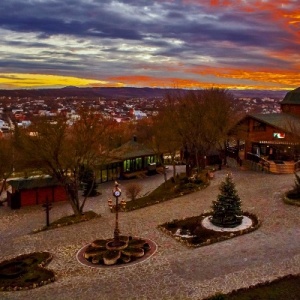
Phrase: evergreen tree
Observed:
(227, 208)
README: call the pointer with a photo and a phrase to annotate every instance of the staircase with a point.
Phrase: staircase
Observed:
(274, 168)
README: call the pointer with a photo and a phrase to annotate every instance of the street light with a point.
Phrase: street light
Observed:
(116, 193)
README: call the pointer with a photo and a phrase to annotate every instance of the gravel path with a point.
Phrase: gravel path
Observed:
(174, 271)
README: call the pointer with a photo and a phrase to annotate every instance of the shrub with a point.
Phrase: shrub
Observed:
(133, 190)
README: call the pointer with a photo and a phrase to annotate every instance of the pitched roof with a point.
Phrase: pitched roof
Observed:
(283, 121)
(131, 149)
(32, 183)
(292, 97)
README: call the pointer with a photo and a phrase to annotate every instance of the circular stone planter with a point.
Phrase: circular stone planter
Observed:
(246, 223)
(82, 260)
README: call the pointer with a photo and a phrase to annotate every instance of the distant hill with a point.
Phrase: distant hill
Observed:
(123, 92)
(259, 93)
(72, 91)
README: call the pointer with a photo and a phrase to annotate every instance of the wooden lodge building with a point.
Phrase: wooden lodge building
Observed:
(273, 140)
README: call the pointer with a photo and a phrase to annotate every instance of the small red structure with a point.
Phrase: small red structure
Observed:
(32, 191)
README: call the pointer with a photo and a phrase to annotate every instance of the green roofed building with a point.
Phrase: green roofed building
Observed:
(128, 160)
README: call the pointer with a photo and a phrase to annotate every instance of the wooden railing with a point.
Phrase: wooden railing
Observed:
(258, 163)
(297, 166)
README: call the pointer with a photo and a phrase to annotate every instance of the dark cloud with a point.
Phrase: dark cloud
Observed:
(117, 35)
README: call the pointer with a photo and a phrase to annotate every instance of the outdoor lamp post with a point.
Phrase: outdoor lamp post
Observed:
(117, 194)
(116, 242)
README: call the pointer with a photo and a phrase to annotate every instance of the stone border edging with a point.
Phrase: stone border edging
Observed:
(85, 262)
(246, 223)
(36, 284)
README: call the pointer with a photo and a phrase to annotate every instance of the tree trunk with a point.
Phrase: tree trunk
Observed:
(174, 166)
(197, 160)
(72, 195)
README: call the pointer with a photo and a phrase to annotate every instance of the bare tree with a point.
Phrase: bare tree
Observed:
(165, 136)
(61, 150)
(6, 161)
(202, 119)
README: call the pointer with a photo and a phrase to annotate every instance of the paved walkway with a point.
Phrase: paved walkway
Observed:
(174, 271)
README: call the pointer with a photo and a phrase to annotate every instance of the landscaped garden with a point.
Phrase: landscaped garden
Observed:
(25, 271)
(191, 232)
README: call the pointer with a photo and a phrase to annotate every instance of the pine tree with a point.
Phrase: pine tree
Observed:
(227, 208)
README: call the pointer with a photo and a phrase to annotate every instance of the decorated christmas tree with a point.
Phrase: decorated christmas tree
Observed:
(227, 208)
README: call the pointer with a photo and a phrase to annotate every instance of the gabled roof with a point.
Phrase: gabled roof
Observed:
(131, 149)
(292, 97)
(283, 121)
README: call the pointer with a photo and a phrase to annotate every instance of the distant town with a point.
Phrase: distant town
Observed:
(121, 104)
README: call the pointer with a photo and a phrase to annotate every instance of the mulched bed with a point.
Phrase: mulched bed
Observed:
(201, 236)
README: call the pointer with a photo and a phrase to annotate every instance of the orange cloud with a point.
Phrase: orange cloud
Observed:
(173, 82)
(281, 78)
(280, 12)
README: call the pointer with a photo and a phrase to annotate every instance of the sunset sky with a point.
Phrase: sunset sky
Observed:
(144, 43)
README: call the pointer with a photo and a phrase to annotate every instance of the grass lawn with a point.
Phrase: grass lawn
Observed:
(170, 189)
(285, 288)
